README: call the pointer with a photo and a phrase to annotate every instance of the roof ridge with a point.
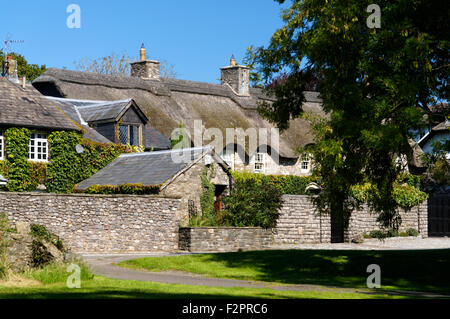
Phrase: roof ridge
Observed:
(204, 148)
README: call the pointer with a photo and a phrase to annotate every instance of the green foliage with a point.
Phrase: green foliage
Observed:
(285, 184)
(17, 165)
(57, 273)
(132, 189)
(405, 195)
(30, 71)
(375, 85)
(379, 234)
(253, 204)
(408, 196)
(68, 168)
(207, 197)
(4, 242)
(41, 232)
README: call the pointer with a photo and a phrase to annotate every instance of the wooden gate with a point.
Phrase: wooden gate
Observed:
(439, 215)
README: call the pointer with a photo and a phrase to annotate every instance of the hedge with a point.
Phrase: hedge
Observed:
(286, 184)
(132, 189)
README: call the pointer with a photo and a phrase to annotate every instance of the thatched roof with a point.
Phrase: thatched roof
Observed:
(28, 108)
(168, 103)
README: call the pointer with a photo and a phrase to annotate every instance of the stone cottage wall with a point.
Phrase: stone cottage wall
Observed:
(100, 223)
(188, 186)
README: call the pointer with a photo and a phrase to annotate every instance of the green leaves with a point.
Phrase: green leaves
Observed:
(375, 84)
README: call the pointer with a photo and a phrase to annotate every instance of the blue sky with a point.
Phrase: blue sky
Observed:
(196, 36)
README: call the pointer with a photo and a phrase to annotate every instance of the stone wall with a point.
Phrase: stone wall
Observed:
(221, 239)
(100, 223)
(298, 223)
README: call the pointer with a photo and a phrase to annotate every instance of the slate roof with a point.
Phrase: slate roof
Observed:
(29, 108)
(438, 129)
(149, 168)
(171, 102)
(88, 111)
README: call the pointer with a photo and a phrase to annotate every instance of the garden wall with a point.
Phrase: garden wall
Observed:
(298, 223)
(100, 223)
(208, 239)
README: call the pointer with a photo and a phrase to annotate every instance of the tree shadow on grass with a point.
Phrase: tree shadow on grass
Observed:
(427, 270)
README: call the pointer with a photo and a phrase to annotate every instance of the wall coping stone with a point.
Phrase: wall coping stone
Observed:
(88, 195)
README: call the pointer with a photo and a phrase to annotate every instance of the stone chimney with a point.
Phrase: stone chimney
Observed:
(11, 69)
(237, 77)
(146, 69)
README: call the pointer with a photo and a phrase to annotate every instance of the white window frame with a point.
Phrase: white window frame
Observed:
(259, 165)
(305, 161)
(229, 159)
(38, 141)
(2, 147)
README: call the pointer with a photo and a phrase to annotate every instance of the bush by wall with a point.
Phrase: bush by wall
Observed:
(252, 204)
(131, 189)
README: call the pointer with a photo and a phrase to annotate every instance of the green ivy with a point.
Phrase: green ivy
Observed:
(133, 189)
(67, 167)
(286, 184)
(17, 166)
(207, 197)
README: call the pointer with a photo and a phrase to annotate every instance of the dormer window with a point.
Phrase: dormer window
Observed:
(38, 148)
(130, 134)
(259, 163)
(305, 164)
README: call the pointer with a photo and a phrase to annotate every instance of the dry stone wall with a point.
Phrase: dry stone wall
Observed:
(100, 223)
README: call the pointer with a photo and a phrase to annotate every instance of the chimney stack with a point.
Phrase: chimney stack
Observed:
(11, 69)
(237, 77)
(145, 69)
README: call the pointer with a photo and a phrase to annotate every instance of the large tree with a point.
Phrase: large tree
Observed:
(376, 85)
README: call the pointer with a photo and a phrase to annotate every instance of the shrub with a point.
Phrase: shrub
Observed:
(412, 232)
(251, 204)
(286, 184)
(56, 273)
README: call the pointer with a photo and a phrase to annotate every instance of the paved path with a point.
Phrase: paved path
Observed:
(103, 264)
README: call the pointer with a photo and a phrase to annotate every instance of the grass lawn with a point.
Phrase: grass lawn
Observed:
(101, 287)
(417, 270)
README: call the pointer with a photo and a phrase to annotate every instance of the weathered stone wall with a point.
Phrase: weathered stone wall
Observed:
(364, 221)
(99, 223)
(207, 239)
(298, 223)
(188, 186)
